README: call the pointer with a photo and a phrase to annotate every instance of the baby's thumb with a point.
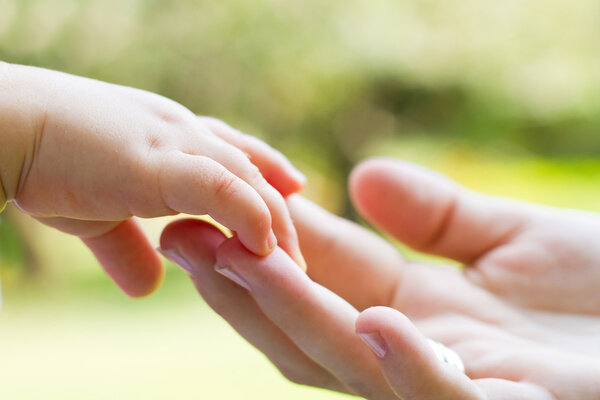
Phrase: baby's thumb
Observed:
(121, 248)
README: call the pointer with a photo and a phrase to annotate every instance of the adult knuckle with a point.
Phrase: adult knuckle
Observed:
(361, 389)
(295, 375)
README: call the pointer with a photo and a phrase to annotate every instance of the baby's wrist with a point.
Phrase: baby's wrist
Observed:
(18, 119)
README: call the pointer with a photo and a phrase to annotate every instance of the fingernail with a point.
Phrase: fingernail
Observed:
(301, 261)
(232, 275)
(178, 259)
(271, 241)
(375, 343)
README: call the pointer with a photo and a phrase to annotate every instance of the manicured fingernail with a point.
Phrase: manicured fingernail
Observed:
(232, 275)
(375, 343)
(271, 241)
(178, 259)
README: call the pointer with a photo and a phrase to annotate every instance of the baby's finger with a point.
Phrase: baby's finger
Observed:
(237, 163)
(273, 165)
(121, 248)
(408, 361)
(198, 185)
(192, 244)
(319, 322)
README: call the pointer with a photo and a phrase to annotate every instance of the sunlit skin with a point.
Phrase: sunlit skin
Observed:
(523, 314)
(85, 156)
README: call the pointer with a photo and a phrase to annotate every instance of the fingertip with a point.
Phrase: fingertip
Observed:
(368, 183)
(188, 231)
(286, 179)
(274, 166)
(409, 360)
(128, 258)
(380, 318)
(233, 251)
(292, 247)
(191, 244)
(398, 334)
(147, 290)
(230, 250)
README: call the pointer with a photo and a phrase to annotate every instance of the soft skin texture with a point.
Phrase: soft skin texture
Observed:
(523, 314)
(85, 156)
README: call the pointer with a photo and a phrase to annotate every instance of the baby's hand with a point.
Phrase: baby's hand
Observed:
(85, 156)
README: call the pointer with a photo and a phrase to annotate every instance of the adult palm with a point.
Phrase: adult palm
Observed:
(523, 313)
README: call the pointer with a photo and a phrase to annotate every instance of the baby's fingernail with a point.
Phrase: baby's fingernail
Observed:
(375, 343)
(232, 275)
(177, 258)
(271, 241)
(301, 261)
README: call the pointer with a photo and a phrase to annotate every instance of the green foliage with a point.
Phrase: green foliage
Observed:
(329, 82)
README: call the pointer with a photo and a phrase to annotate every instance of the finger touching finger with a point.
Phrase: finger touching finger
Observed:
(320, 323)
(238, 164)
(198, 185)
(193, 245)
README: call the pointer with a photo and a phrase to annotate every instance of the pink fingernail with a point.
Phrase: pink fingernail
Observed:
(234, 276)
(178, 259)
(375, 343)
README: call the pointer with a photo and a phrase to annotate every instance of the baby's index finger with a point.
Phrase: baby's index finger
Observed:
(273, 165)
(198, 185)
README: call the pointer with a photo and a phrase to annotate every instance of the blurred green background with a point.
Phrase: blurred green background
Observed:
(502, 96)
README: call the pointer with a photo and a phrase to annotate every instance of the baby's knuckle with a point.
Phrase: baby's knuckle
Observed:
(258, 219)
(255, 176)
(225, 185)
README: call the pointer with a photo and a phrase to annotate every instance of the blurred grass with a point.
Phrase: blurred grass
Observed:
(502, 96)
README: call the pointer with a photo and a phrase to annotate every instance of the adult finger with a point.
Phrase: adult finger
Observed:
(501, 389)
(238, 164)
(273, 165)
(192, 244)
(318, 321)
(408, 361)
(430, 213)
(346, 258)
(121, 248)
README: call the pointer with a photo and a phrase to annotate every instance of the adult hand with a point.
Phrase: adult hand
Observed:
(85, 156)
(524, 314)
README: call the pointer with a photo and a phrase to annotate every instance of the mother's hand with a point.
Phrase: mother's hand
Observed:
(515, 315)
